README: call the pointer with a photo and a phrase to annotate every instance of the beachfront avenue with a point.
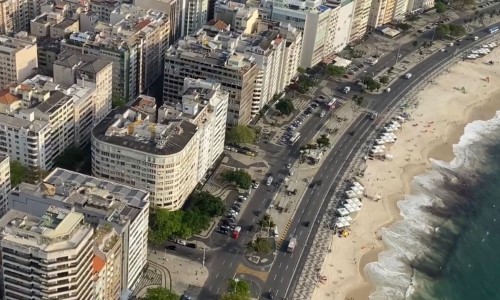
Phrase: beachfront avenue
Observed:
(283, 275)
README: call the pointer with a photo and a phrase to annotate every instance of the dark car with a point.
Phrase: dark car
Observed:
(191, 245)
(270, 295)
(171, 247)
(307, 223)
(251, 228)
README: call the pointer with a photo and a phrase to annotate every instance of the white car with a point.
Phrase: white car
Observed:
(408, 75)
(243, 198)
(233, 212)
(387, 90)
(288, 166)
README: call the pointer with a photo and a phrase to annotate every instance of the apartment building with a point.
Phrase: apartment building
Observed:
(104, 8)
(103, 204)
(342, 12)
(152, 28)
(415, 5)
(53, 25)
(400, 9)
(107, 263)
(381, 12)
(194, 15)
(48, 49)
(360, 19)
(242, 19)
(46, 256)
(266, 49)
(313, 19)
(128, 147)
(87, 71)
(172, 8)
(212, 58)
(204, 104)
(14, 16)
(18, 60)
(4, 182)
(123, 53)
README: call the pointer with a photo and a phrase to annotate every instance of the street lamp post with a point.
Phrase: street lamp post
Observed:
(397, 56)
(203, 262)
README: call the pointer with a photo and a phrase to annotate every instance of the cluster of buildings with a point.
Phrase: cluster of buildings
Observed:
(75, 74)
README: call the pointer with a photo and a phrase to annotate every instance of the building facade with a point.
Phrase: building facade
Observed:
(107, 263)
(360, 19)
(87, 71)
(128, 147)
(19, 60)
(204, 104)
(47, 256)
(242, 19)
(14, 16)
(212, 58)
(102, 203)
(343, 11)
(4, 182)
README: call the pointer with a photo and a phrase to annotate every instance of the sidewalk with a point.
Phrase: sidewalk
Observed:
(305, 173)
(182, 275)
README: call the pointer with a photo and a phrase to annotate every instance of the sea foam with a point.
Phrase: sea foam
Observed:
(418, 246)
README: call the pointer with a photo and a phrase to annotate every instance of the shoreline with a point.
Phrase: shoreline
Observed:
(345, 266)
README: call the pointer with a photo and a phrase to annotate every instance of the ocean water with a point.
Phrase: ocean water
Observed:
(447, 244)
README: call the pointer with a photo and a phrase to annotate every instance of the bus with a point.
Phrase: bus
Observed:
(294, 138)
(332, 103)
(493, 29)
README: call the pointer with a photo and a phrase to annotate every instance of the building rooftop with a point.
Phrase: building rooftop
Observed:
(58, 229)
(11, 45)
(65, 23)
(214, 48)
(133, 130)
(54, 102)
(87, 63)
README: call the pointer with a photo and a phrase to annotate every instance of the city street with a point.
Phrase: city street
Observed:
(225, 262)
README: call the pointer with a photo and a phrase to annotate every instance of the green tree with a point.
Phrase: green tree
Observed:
(285, 106)
(164, 224)
(266, 222)
(415, 44)
(117, 101)
(384, 79)
(440, 7)
(18, 173)
(301, 70)
(323, 141)
(239, 288)
(239, 177)
(71, 159)
(372, 84)
(456, 30)
(241, 134)
(260, 245)
(159, 293)
(359, 100)
(207, 203)
(335, 71)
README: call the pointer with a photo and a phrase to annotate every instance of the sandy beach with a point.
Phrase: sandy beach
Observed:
(439, 114)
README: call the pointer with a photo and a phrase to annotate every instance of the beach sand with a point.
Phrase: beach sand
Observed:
(438, 116)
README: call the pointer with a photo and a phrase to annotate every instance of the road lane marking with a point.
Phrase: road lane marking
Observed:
(286, 267)
(217, 276)
(217, 293)
(210, 289)
(276, 275)
(231, 265)
(300, 232)
(223, 262)
(279, 266)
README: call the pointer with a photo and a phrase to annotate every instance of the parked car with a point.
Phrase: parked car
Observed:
(171, 247)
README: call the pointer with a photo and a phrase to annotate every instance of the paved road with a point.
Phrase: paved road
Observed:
(280, 280)
(284, 273)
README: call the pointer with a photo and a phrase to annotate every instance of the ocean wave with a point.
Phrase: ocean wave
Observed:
(419, 245)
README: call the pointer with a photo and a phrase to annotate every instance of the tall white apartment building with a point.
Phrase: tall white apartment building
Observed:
(360, 19)
(266, 49)
(193, 16)
(4, 182)
(19, 60)
(414, 5)
(159, 157)
(151, 28)
(400, 9)
(103, 8)
(343, 12)
(14, 16)
(103, 203)
(87, 71)
(204, 104)
(313, 19)
(46, 256)
(291, 53)
(241, 18)
(172, 8)
(39, 119)
(107, 263)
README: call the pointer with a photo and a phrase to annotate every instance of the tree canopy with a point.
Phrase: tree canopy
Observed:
(450, 30)
(323, 141)
(304, 83)
(241, 134)
(18, 173)
(260, 245)
(372, 84)
(117, 101)
(285, 106)
(384, 79)
(164, 224)
(335, 71)
(359, 100)
(237, 289)
(239, 177)
(71, 159)
(159, 293)
(266, 222)
(440, 7)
